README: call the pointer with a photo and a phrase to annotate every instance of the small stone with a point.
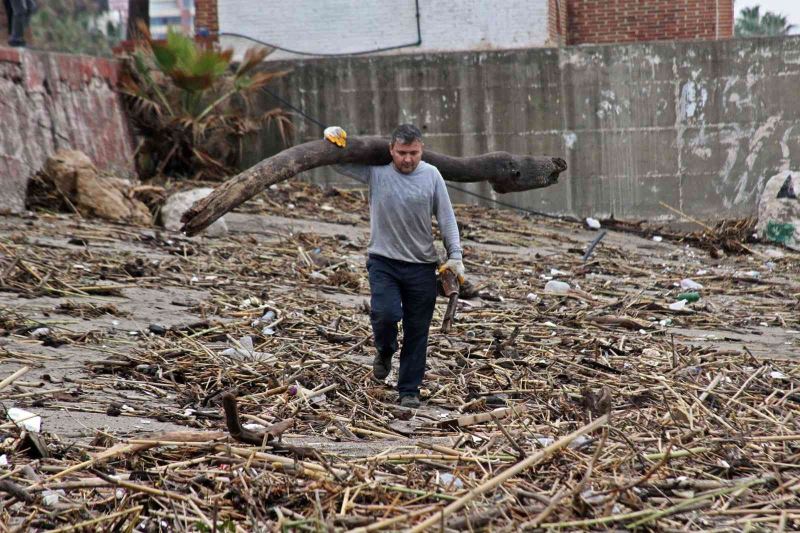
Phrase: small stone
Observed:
(157, 329)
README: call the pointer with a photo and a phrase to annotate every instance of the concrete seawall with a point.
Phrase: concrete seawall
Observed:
(698, 125)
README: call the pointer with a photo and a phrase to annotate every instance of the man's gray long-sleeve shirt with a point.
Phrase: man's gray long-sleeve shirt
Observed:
(401, 208)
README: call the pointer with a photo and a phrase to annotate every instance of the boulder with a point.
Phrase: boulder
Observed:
(179, 202)
(779, 210)
(73, 175)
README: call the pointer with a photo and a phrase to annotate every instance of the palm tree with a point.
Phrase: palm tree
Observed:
(192, 106)
(750, 23)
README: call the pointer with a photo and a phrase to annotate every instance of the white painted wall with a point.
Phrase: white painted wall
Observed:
(346, 26)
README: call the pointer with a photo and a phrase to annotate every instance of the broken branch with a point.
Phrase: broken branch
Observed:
(505, 172)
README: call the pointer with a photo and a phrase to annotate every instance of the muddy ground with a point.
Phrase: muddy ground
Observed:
(766, 325)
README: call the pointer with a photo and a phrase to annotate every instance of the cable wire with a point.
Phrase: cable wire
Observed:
(325, 54)
(323, 126)
(454, 187)
(511, 206)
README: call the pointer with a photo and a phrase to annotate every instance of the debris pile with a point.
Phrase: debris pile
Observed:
(597, 406)
(69, 179)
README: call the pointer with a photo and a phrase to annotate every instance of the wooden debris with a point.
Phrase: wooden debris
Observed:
(602, 409)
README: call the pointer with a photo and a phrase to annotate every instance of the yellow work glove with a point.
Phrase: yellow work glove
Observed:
(456, 266)
(336, 135)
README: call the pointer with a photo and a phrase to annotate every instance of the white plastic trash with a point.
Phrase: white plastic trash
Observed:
(447, 480)
(25, 419)
(678, 306)
(50, 497)
(40, 332)
(593, 223)
(690, 285)
(556, 287)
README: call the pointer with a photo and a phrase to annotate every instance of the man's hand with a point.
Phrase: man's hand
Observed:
(456, 266)
(336, 135)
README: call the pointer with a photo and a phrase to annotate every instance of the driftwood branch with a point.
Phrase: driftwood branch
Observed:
(506, 173)
(266, 437)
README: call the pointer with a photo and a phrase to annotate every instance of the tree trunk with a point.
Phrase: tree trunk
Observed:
(506, 172)
(138, 13)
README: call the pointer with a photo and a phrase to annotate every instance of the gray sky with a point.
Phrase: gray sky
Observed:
(788, 8)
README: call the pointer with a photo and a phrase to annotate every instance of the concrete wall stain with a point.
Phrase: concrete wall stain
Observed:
(698, 125)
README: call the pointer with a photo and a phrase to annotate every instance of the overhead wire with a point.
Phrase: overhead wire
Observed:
(449, 185)
(372, 51)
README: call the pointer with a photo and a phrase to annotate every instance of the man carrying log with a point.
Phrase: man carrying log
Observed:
(402, 258)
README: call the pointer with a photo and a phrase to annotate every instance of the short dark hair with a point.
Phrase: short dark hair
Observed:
(406, 134)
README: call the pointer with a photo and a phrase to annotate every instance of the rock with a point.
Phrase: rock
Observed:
(66, 167)
(779, 210)
(107, 198)
(179, 202)
(75, 177)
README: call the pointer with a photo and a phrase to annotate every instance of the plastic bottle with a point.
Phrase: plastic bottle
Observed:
(689, 296)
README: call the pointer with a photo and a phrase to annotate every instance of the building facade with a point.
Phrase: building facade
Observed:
(177, 14)
(315, 27)
(572, 22)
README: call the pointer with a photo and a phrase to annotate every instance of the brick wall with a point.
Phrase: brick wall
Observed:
(205, 16)
(620, 21)
(557, 22)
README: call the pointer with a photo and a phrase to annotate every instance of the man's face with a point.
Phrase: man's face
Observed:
(406, 157)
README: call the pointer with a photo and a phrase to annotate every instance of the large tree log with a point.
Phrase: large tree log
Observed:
(506, 172)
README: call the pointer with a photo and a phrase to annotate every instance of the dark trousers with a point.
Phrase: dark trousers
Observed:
(18, 15)
(402, 291)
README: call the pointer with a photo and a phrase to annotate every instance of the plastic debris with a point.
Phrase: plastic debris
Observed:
(25, 419)
(556, 287)
(449, 480)
(592, 223)
(40, 332)
(302, 392)
(690, 285)
(51, 497)
(545, 441)
(678, 306)
(243, 350)
(689, 296)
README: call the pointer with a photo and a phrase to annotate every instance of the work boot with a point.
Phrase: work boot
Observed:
(409, 400)
(381, 366)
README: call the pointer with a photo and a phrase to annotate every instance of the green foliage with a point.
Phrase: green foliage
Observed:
(74, 26)
(191, 107)
(751, 23)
